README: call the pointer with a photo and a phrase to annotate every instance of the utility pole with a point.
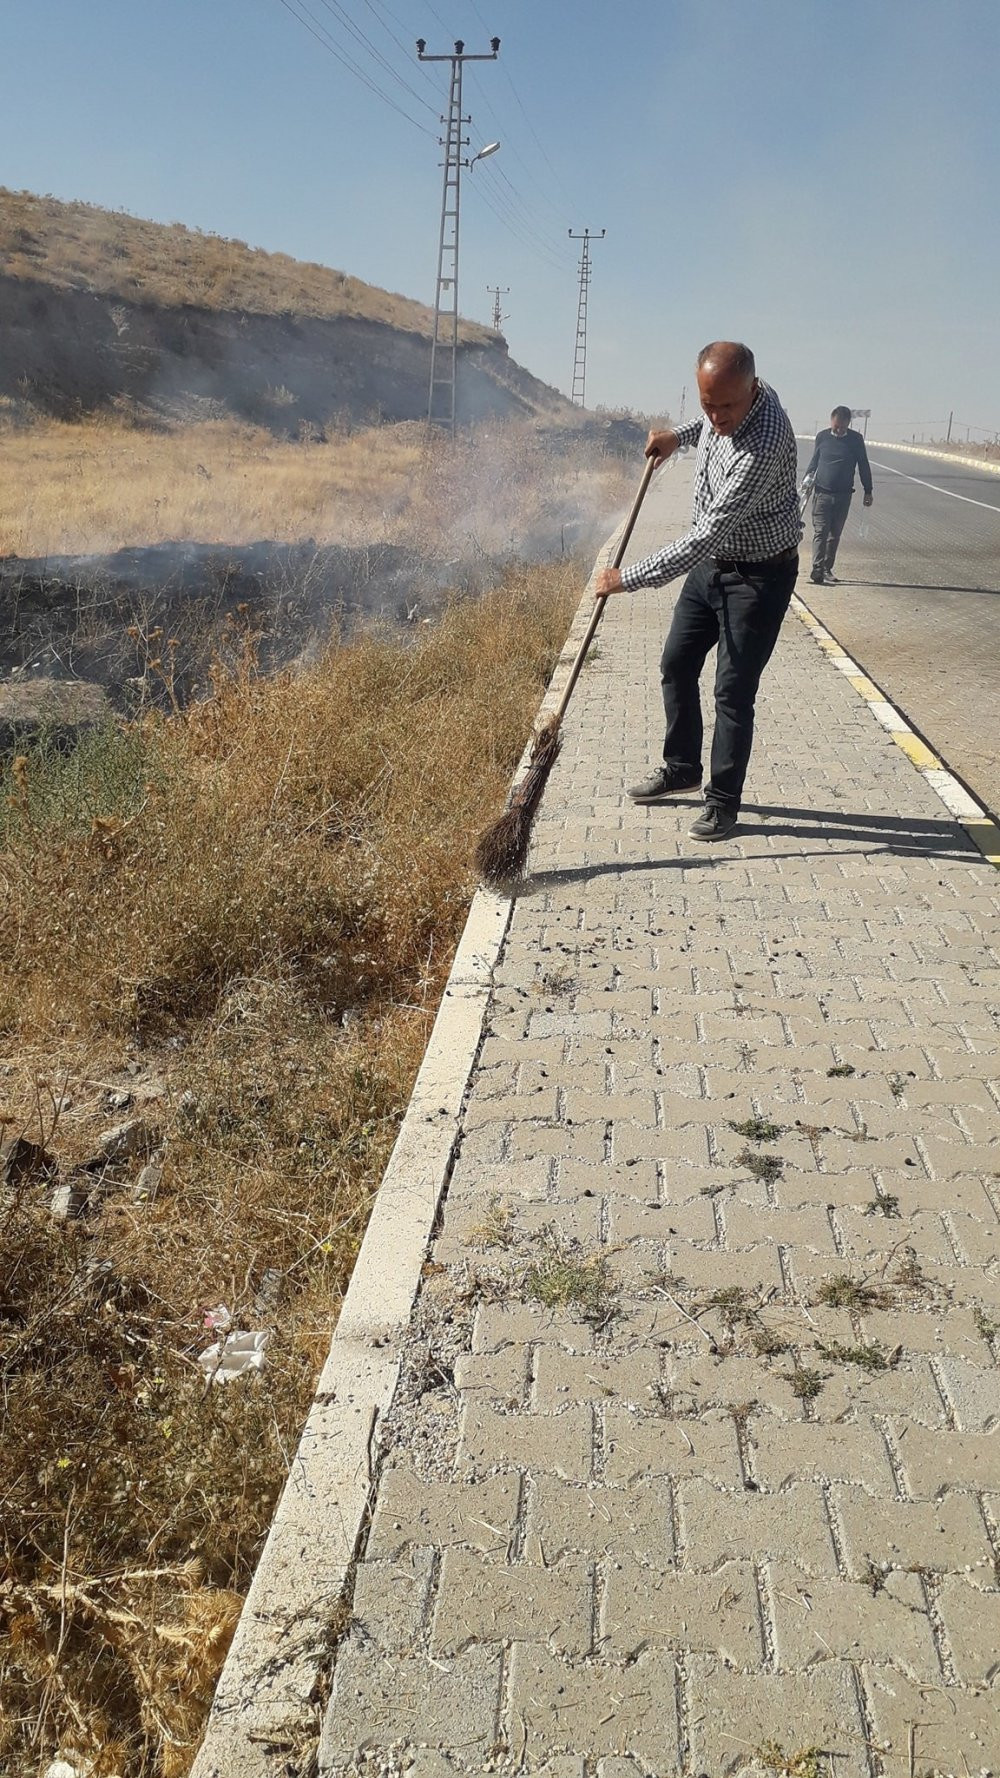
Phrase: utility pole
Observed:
(580, 360)
(496, 292)
(444, 342)
(951, 416)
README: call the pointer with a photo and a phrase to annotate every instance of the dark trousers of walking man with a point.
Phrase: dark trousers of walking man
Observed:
(736, 607)
(829, 518)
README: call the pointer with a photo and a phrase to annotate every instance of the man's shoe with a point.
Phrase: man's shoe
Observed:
(830, 579)
(714, 824)
(662, 783)
(817, 579)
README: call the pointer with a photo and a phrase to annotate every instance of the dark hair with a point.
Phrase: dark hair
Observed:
(737, 358)
(841, 413)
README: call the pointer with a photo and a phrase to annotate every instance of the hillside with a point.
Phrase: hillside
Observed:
(99, 310)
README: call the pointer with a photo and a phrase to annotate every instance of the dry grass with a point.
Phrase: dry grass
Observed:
(246, 913)
(100, 485)
(81, 247)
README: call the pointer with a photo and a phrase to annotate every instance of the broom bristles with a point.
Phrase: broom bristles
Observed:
(502, 852)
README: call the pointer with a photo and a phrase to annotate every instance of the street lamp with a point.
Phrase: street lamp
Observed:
(484, 154)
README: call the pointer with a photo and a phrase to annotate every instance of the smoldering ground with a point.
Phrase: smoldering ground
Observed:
(144, 621)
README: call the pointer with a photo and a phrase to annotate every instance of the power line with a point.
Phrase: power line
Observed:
(533, 216)
(504, 130)
(541, 240)
(318, 30)
(513, 225)
(337, 11)
(534, 132)
(377, 11)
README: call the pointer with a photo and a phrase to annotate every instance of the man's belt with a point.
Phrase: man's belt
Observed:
(728, 563)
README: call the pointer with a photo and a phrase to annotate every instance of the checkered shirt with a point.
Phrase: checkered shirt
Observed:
(746, 505)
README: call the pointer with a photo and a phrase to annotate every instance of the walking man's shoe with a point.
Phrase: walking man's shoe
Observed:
(830, 580)
(665, 781)
(714, 824)
(817, 579)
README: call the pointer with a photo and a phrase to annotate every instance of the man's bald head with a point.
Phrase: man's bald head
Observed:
(727, 384)
(728, 356)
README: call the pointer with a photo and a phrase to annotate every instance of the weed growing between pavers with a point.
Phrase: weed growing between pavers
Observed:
(844, 1292)
(557, 981)
(567, 1278)
(806, 1762)
(986, 1326)
(497, 1226)
(758, 1129)
(885, 1204)
(733, 1304)
(867, 1357)
(841, 1071)
(767, 1343)
(764, 1167)
(804, 1382)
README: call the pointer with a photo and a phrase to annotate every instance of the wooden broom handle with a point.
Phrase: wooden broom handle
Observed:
(599, 604)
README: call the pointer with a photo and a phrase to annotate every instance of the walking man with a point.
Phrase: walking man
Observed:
(740, 559)
(837, 453)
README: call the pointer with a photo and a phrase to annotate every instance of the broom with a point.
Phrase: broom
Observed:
(502, 852)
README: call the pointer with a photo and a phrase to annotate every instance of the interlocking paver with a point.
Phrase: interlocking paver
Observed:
(841, 1619)
(600, 1520)
(923, 1729)
(662, 1504)
(411, 1510)
(597, 1708)
(947, 1535)
(783, 1453)
(482, 1600)
(644, 1609)
(732, 1714)
(717, 1527)
(640, 1445)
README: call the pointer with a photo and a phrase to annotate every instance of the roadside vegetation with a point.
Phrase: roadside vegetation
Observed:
(227, 929)
(103, 484)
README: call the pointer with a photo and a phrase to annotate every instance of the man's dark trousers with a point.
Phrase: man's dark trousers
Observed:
(737, 607)
(829, 518)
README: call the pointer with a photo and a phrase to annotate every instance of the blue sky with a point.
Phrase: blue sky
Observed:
(819, 179)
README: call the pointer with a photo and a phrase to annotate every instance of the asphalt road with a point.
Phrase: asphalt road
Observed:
(919, 603)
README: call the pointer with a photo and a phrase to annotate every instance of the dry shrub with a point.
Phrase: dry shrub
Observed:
(250, 909)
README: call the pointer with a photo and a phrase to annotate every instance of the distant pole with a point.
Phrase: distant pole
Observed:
(680, 416)
(496, 291)
(444, 341)
(951, 416)
(580, 360)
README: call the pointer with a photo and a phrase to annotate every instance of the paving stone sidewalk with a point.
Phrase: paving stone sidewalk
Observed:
(696, 1454)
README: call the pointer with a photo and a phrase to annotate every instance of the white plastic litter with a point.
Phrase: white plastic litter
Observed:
(235, 1356)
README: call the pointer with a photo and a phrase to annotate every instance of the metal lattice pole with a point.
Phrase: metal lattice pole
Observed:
(441, 400)
(580, 360)
(497, 291)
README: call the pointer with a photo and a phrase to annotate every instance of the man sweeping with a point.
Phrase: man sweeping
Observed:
(740, 559)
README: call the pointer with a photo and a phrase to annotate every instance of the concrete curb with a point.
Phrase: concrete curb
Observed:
(877, 444)
(972, 815)
(269, 1699)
